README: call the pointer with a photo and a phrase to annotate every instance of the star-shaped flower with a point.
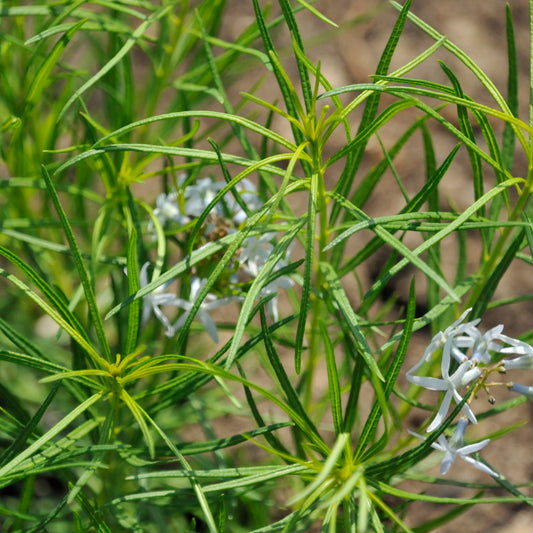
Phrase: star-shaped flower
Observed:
(210, 302)
(449, 384)
(455, 448)
(153, 301)
(169, 209)
(248, 193)
(255, 252)
(462, 336)
(487, 343)
(200, 195)
(281, 282)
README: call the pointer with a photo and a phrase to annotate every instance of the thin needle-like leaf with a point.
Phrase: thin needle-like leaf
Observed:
(80, 266)
(49, 435)
(333, 381)
(130, 42)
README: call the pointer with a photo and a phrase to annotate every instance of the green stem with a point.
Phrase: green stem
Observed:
(317, 308)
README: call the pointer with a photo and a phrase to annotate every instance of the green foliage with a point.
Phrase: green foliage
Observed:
(140, 193)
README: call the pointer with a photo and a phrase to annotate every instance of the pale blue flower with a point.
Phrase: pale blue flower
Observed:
(210, 302)
(199, 195)
(522, 389)
(449, 384)
(248, 193)
(255, 252)
(168, 209)
(455, 448)
(153, 301)
(462, 336)
(486, 343)
(281, 282)
(525, 362)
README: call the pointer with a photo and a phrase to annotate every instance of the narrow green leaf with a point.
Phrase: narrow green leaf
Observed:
(466, 128)
(188, 153)
(529, 232)
(509, 137)
(36, 363)
(198, 490)
(235, 125)
(254, 479)
(387, 237)
(93, 513)
(416, 202)
(217, 115)
(333, 381)
(451, 227)
(298, 43)
(278, 253)
(112, 26)
(80, 266)
(371, 424)
(285, 86)
(133, 286)
(183, 266)
(371, 107)
(227, 177)
(434, 255)
(446, 517)
(470, 64)
(20, 341)
(317, 13)
(393, 491)
(282, 377)
(272, 440)
(49, 435)
(193, 365)
(16, 446)
(139, 415)
(193, 448)
(490, 285)
(308, 269)
(372, 178)
(97, 452)
(365, 133)
(358, 376)
(130, 42)
(339, 296)
(56, 316)
(41, 78)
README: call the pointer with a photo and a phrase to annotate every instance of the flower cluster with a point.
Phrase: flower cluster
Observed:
(182, 206)
(468, 357)
(188, 201)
